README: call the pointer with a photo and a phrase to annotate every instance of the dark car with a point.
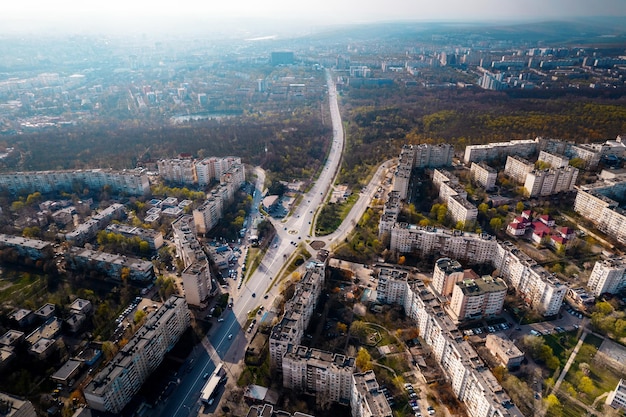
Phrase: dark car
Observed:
(253, 294)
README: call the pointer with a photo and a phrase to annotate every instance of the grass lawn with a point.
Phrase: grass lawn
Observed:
(603, 378)
(562, 344)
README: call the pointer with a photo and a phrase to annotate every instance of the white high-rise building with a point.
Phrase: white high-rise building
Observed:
(517, 168)
(477, 298)
(115, 385)
(447, 272)
(326, 375)
(484, 175)
(391, 285)
(608, 276)
(367, 399)
(178, 171)
(197, 283)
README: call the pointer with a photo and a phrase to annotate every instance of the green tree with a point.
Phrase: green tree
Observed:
(139, 316)
(578, 163)
(585, 384)
(554, 406)
(496, 223)
(363, 360)
(483, 207)
(519, 207)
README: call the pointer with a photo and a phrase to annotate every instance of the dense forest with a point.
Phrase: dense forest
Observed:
(292, 144)
(381, 120)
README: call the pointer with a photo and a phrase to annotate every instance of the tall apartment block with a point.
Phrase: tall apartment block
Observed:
(454, 196)
(484, 175)
(598, 203)
(197, 274)
(517, 168)
(115, 385)
(424, 241)
(391, 285)
(490, 151)
(470, 379)
(326, 375)
(608, 276)
(131, 182)
(298, 312)
(447, 272)
(367, 399)
(533, 284)
(177, 171)
(477, 298)
(555, 160)
(541, 183)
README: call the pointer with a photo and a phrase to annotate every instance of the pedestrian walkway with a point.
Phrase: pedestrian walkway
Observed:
(569, 363)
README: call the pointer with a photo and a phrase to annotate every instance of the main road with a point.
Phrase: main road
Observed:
(227, 340)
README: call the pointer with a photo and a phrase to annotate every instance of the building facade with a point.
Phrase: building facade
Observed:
(326, 375)
(484, 175)
(607, 276)
(477, 298)
(367, 399)
(517, 168)
(115, 385)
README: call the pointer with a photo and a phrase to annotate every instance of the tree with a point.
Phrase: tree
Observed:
(519, 207)
(586, 385)
(139, 316)
(578, 163)
(401, 260)
(496, 223)
(363, 360)
(482, 208)
(554, 406)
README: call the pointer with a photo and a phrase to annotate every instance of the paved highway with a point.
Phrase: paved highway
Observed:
(221, 346)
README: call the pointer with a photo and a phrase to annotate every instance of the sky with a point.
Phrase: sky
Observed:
(122, 14)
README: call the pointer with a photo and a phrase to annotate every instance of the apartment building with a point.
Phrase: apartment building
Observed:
(401, 180)
(477, 298)
(389, 217)
(187, 246)
(177, 171)
(432, 156)
(599, 203)
(461, 210)
(484, 175)
(533, 284)
(555, 160)
(541, 183)
(267, 410)
(367, 399)
(153, 237)
(517, 168)
(197, 274)
(607, 276)
(391, 285)
(425, 241)
(197, 283)
(131, 182)
(617, 398)
(210, 169)
(115, 385)
(11, 406)
(89, 229)
(311, 371)
(208, 214)
(31, 248)
(112, 265)
(491, 151)
(588, 153)
(504, 350)
(447, 272)
(298, 312)
(470, 378)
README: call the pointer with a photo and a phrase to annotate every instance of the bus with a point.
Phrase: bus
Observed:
(211, 387)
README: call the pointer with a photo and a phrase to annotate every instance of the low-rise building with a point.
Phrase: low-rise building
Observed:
(111, 265)
(153, 237)
(505, 350)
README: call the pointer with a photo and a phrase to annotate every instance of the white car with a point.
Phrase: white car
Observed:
(230, 336)
(220, 320)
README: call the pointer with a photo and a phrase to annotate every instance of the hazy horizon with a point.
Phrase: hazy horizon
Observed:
(239, 16)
